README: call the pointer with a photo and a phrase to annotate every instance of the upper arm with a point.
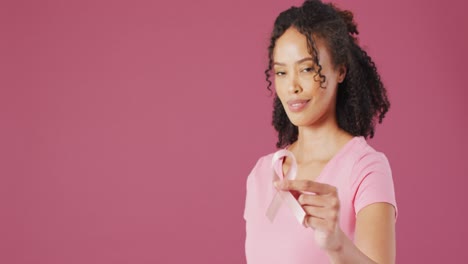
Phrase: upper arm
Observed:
(375, 207)
(375, 232)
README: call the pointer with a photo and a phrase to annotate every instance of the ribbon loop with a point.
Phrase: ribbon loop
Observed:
(284, 196)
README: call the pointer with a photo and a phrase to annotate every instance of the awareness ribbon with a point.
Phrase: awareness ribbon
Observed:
(284, 196)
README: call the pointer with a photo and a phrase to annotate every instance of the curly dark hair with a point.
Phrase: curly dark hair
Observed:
(361, 96)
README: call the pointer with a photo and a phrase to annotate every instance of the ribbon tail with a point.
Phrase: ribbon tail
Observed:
(274, 207)
(295, 207)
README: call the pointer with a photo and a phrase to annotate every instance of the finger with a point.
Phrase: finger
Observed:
(312, 199)
(322, 212)
(331, 202)
(319, 212)
(318, 224)
(306, 185)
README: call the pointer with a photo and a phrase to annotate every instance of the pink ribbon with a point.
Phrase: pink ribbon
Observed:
(284, 196)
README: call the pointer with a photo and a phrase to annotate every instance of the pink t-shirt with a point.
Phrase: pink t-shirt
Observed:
(362, 177)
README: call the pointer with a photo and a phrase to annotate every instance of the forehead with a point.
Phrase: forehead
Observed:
(292, 46)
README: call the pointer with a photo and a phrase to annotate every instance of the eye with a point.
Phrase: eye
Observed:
(309, 69)
(280, 73)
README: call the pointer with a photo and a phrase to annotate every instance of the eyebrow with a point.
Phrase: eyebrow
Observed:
(297, 62)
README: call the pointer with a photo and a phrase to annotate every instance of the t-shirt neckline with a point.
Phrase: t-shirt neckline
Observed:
(340, 153)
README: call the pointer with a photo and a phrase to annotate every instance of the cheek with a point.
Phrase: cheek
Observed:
(320, 95)
(282, 98)
(326, 96)
(282, 95)
(331, 81)
(280, 88)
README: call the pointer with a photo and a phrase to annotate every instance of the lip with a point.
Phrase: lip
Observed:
(297, 105)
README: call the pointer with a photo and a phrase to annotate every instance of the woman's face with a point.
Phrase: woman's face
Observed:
(298, 84)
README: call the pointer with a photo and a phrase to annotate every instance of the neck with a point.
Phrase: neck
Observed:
(319, 142)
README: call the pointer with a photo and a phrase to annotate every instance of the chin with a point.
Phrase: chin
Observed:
(300, 121)
(307, 118)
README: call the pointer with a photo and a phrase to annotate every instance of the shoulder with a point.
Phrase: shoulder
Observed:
(263, 162)
(364, 161)
(262, 170)
(365, 156)
(371, 178)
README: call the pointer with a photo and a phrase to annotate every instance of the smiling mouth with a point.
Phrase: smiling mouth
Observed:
(297, 105)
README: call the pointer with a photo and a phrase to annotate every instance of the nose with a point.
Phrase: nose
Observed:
(293, 84)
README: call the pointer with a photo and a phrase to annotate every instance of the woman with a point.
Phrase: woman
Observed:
(328, 94)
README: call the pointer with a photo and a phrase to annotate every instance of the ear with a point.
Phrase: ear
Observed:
(341, 73)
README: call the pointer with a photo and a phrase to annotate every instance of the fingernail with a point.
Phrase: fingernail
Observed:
(277, 184)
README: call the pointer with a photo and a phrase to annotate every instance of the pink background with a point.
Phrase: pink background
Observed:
(128, 128)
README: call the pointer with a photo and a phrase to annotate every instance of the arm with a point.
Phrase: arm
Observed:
(375, 225)
(374, 237)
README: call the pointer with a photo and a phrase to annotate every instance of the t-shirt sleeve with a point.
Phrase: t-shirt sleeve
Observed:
(248, 191)
(373, 182)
